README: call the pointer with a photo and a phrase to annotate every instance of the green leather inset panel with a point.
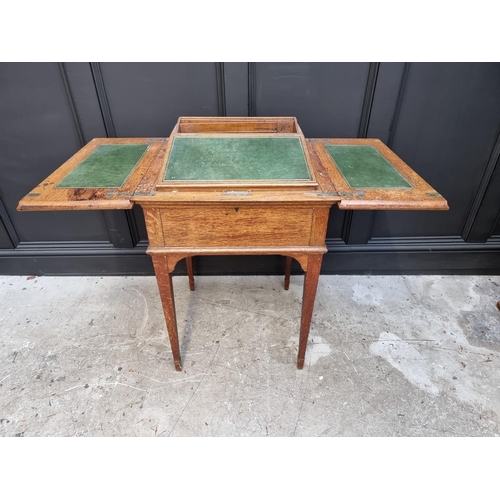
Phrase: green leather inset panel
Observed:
(365, 167)
(236, 158)
(108, 166)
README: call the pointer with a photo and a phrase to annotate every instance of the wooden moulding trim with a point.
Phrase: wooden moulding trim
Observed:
(237, 201)
(32, 205)
(253, 120)
(235, 185)
(215, 119)
(235, 250)
(175, 254)
(258, 135)
(439, 204)
(275, 198)
(238, 127)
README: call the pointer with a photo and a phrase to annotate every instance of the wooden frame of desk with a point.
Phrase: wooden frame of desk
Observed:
(235, 216)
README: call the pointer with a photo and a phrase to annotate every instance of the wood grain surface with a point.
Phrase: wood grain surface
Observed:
(237, 225)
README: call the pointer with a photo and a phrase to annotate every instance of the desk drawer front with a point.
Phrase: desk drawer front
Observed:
(236, 226)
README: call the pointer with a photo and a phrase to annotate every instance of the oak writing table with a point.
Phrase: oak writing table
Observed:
(235, 186)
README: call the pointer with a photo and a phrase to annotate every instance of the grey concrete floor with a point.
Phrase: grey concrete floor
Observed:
(387, 356)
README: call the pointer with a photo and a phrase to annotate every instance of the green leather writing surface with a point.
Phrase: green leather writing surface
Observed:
(365, 167)
(108, 166)
(236, 158)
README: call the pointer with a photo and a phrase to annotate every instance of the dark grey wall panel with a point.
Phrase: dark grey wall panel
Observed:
(326, 98)
(236, 85)
(85, 98)
(37, 135)
(485, 209)
(8, 234)
(335, 222)
(146, 99)
(141, 224)
(446, 131)
(5, 241)
(442, 119)
(385, 100)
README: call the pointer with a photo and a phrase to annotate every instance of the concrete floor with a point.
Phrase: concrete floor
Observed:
(388, 356)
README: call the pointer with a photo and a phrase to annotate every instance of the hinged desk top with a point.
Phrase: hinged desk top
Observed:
(207, 160)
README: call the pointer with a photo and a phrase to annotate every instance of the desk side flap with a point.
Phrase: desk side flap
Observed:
(367, 175)
(103, 175)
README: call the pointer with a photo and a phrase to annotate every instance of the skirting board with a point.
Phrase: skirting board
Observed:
(434, 256)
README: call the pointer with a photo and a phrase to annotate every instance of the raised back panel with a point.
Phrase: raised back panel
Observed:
(284, 125)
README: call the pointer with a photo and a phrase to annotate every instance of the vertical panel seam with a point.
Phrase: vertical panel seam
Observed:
(252, 89)
(371, 84)
(346, 225)
(221, 88)
(9, 227)
(488, 172)
(72, 104)
(132, 226)
(102, 97)
(399, 104)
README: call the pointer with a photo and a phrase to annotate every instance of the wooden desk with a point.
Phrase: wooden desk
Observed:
(235, 186)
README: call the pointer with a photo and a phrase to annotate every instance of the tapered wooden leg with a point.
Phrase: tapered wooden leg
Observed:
(288, 270)
(164, 279)
(189, 265)
(310, 287)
